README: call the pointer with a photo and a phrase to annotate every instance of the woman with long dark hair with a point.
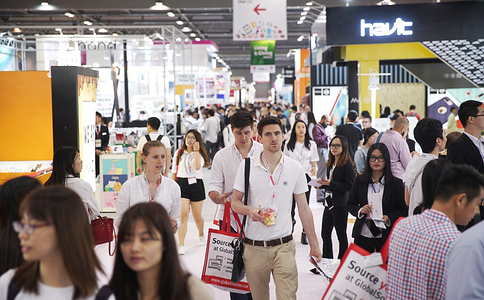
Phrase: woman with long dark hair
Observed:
(311, 123)
(187, 170)
(66, 166)
(12, 193)
(147, 264)
(376, 200)
(57, 247)
(341, 175)
(151, 185)
(301, 148)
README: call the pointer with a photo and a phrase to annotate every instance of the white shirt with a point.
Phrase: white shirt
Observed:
(229, 138)
(45, 292)
(187, 165)
(192, 123)
(303, 155)
(292, 181)
(413, 184)
(85, 192)
(154, 135)
(212, 127)
(224, 169)
(379, 187)
(136, 190)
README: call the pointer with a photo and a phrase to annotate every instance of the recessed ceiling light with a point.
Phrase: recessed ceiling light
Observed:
(170, 14)
(102, 30)
(193, 34)
(159, 6)
(179, 22)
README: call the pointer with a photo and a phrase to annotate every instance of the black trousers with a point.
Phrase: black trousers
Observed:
(337, 218)
(370, 245)
(211, 149)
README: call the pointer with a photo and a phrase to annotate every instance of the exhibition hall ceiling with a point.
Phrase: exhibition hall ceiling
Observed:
(209, 19)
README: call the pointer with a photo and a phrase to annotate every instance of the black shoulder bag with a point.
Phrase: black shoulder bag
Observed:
(238, 270)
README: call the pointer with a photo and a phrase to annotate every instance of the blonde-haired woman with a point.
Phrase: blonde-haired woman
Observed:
(151, 186)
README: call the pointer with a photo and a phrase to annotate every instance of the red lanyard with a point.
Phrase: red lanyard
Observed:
(274, 183)
(251, 152)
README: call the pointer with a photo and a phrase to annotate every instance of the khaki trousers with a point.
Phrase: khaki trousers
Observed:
(280, 260)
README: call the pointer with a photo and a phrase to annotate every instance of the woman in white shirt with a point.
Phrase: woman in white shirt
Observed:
(60, 262)
(187, 170)
(151, 186)
(66, 166)
(301, 148)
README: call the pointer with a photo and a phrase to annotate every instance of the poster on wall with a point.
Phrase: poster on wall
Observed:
(115, 173)
(439, 102)
(331, 101)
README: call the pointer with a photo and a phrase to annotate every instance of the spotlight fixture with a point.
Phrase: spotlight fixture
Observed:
(300, 22)
(302, 18)
(197, 39)
(304, 13)
(179, 22)
(309, 3)
(300, 38)
(115, 34)
(159, 6)
(306, 8)
(171, 14)
(17, 30)
(102, 30)
(68, 14)
(87, 23)
(186, 29)
(193, 34)
(44, 4)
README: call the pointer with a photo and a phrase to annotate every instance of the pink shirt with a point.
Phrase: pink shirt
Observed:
(399, 152)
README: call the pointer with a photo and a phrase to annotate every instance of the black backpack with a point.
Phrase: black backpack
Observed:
(148, 138)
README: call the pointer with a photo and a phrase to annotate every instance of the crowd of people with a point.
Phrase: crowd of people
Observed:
(424, 196)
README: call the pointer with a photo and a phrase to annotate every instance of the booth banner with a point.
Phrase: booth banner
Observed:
(261, 20)
(261, 77)
(331, 101)
(262, 52)
(359, 277)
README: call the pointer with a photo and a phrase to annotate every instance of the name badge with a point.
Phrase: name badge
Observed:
(192, 179)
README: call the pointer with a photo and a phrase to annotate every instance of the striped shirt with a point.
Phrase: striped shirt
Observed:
(416, 262)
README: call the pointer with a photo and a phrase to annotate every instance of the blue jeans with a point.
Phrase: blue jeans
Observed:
(235, 296)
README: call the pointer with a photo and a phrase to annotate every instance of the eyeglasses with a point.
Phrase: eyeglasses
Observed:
(28, 228)
(336, 146)
(481, 115)
(190, 138)
(376, 158)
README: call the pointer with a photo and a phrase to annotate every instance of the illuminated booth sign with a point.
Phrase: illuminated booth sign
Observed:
(404, 23)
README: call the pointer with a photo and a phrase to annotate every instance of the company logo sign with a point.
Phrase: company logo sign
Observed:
(400, 27)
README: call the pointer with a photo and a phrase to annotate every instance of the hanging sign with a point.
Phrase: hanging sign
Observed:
(256, 20)
(262, 52)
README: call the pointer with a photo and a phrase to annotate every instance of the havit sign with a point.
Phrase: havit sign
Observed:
(400, 27)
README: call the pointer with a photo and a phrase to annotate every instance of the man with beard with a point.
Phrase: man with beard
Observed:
(321, 139)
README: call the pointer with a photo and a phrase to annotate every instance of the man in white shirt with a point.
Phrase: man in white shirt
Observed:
(192, 121)
(431, 137)
(274, 179)
(152, 127)
(224, 169)
(212, 128)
